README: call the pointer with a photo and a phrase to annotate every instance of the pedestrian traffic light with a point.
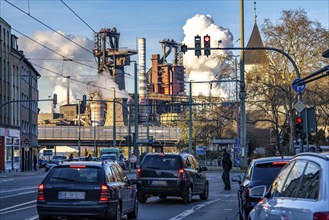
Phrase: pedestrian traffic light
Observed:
(206, 42)
(197, 45)
(298, 127)
(183, 48)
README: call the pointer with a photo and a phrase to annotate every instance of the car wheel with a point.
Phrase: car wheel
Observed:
(187, 197)
(134, 213)
(117, 214)
(205, 193)
(141, 197)
(162, 197)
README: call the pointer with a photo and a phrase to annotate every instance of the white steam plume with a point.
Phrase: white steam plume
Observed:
(205, 68)
(50, 83)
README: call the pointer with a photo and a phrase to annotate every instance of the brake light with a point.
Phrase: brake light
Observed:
(279, 162)
(105, 194)
(77, 166)
(321, 216)
(181, 174)
(139, 173)
(41, 197)
(161, 154)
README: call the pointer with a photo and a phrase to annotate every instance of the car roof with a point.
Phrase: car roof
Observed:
(171, 154)
(324, 155)
(86, 163)
(271, 159)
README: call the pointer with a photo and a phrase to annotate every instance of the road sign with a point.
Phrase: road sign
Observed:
(299, 106)
(26, 141)
(47, 152)
(132, 158)
(298, 87)
(200, 150)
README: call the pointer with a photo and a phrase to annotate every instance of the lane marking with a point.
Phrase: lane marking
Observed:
(15, 210)
(17, 189)
(11, 207)
(195, 208)
(18, 194)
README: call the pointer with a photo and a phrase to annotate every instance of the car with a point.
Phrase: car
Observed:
(171, 174)
(300, 191)
(261, 171)
(52, 163)
(113, 157)
(80, 189)
(59, 157)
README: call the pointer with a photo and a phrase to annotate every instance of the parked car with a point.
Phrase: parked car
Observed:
(172, 174)
(52, 163)
(87, 189)
(261, 171)
(300, 191)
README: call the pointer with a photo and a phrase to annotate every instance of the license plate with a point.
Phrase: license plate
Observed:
(71, 195)
(159, 183)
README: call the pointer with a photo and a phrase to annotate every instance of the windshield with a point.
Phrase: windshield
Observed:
(81, 175)
(108, 157)
(167, 162)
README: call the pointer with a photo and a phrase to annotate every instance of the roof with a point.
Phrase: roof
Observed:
(255, 56)
(271, 159)
(324, 155)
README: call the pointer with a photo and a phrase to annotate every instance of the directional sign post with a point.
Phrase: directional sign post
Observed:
(298, 87)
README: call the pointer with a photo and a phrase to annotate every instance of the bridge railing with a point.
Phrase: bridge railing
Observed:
(104, 133)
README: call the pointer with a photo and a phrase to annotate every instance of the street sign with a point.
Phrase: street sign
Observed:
(132, 158)
(298, 87)
(47, 152)
(26, 141)
(200, 150)
(299, 106)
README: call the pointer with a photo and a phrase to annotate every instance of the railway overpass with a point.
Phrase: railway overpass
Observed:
(99, 136)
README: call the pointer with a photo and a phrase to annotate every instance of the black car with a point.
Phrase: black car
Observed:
(52, 163)
(87, 189)
(261, 171)
(171, 174)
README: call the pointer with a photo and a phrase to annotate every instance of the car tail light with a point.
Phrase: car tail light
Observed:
(105, 194)
(279, 162)
(77, 166)
(321, 216)
(181, 174)
(139, 173)
(41, 197)
(162, 154)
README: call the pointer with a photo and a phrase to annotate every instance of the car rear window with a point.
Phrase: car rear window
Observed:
(267, 171)
(75, 175)
(164, 162)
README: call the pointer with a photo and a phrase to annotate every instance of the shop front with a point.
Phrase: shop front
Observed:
(10, 157)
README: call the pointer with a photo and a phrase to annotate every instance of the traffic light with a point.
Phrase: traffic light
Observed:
(55, 99)
(84, 99)
(298, 127)
(206, 42)
(183, 48)
(197, 45)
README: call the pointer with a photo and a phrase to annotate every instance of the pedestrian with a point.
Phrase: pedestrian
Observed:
(90, 158)
(227, 166)
(35, 161)
(71, 157)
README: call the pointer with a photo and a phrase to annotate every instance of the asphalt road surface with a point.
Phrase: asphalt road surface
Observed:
(18, 201)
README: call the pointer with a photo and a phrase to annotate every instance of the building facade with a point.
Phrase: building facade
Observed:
(18, 114)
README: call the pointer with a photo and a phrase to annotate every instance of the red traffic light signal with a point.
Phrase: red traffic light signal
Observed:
(299, 120)
(206, 42)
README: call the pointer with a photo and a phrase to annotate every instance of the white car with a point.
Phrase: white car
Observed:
(300, 191)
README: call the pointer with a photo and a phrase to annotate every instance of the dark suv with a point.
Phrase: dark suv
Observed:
(87, 189)
(261, 171)
(171, 175)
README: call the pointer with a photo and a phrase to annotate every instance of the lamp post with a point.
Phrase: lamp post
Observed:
(79, 129)
(114, 119)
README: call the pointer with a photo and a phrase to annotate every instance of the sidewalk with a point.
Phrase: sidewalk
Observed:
(26, 173)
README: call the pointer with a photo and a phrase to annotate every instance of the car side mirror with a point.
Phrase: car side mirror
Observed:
(258, 192)
(236, 179)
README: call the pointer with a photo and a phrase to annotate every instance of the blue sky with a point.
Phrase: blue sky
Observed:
(154, 20)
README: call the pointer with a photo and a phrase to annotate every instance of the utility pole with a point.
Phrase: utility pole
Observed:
(114, 119)
(190, 121)
(136, 111)
(79, 129)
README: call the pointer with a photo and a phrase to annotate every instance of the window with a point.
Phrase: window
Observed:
(278, 183)
(292, 183)
(310, 183)
(116, 173)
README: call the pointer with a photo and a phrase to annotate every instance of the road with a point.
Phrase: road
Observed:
(18, 201)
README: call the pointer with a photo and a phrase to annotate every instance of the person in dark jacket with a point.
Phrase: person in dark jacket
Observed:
(227, 166)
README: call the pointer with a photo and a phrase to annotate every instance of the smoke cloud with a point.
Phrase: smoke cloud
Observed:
(53, 63)
(205, 68)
